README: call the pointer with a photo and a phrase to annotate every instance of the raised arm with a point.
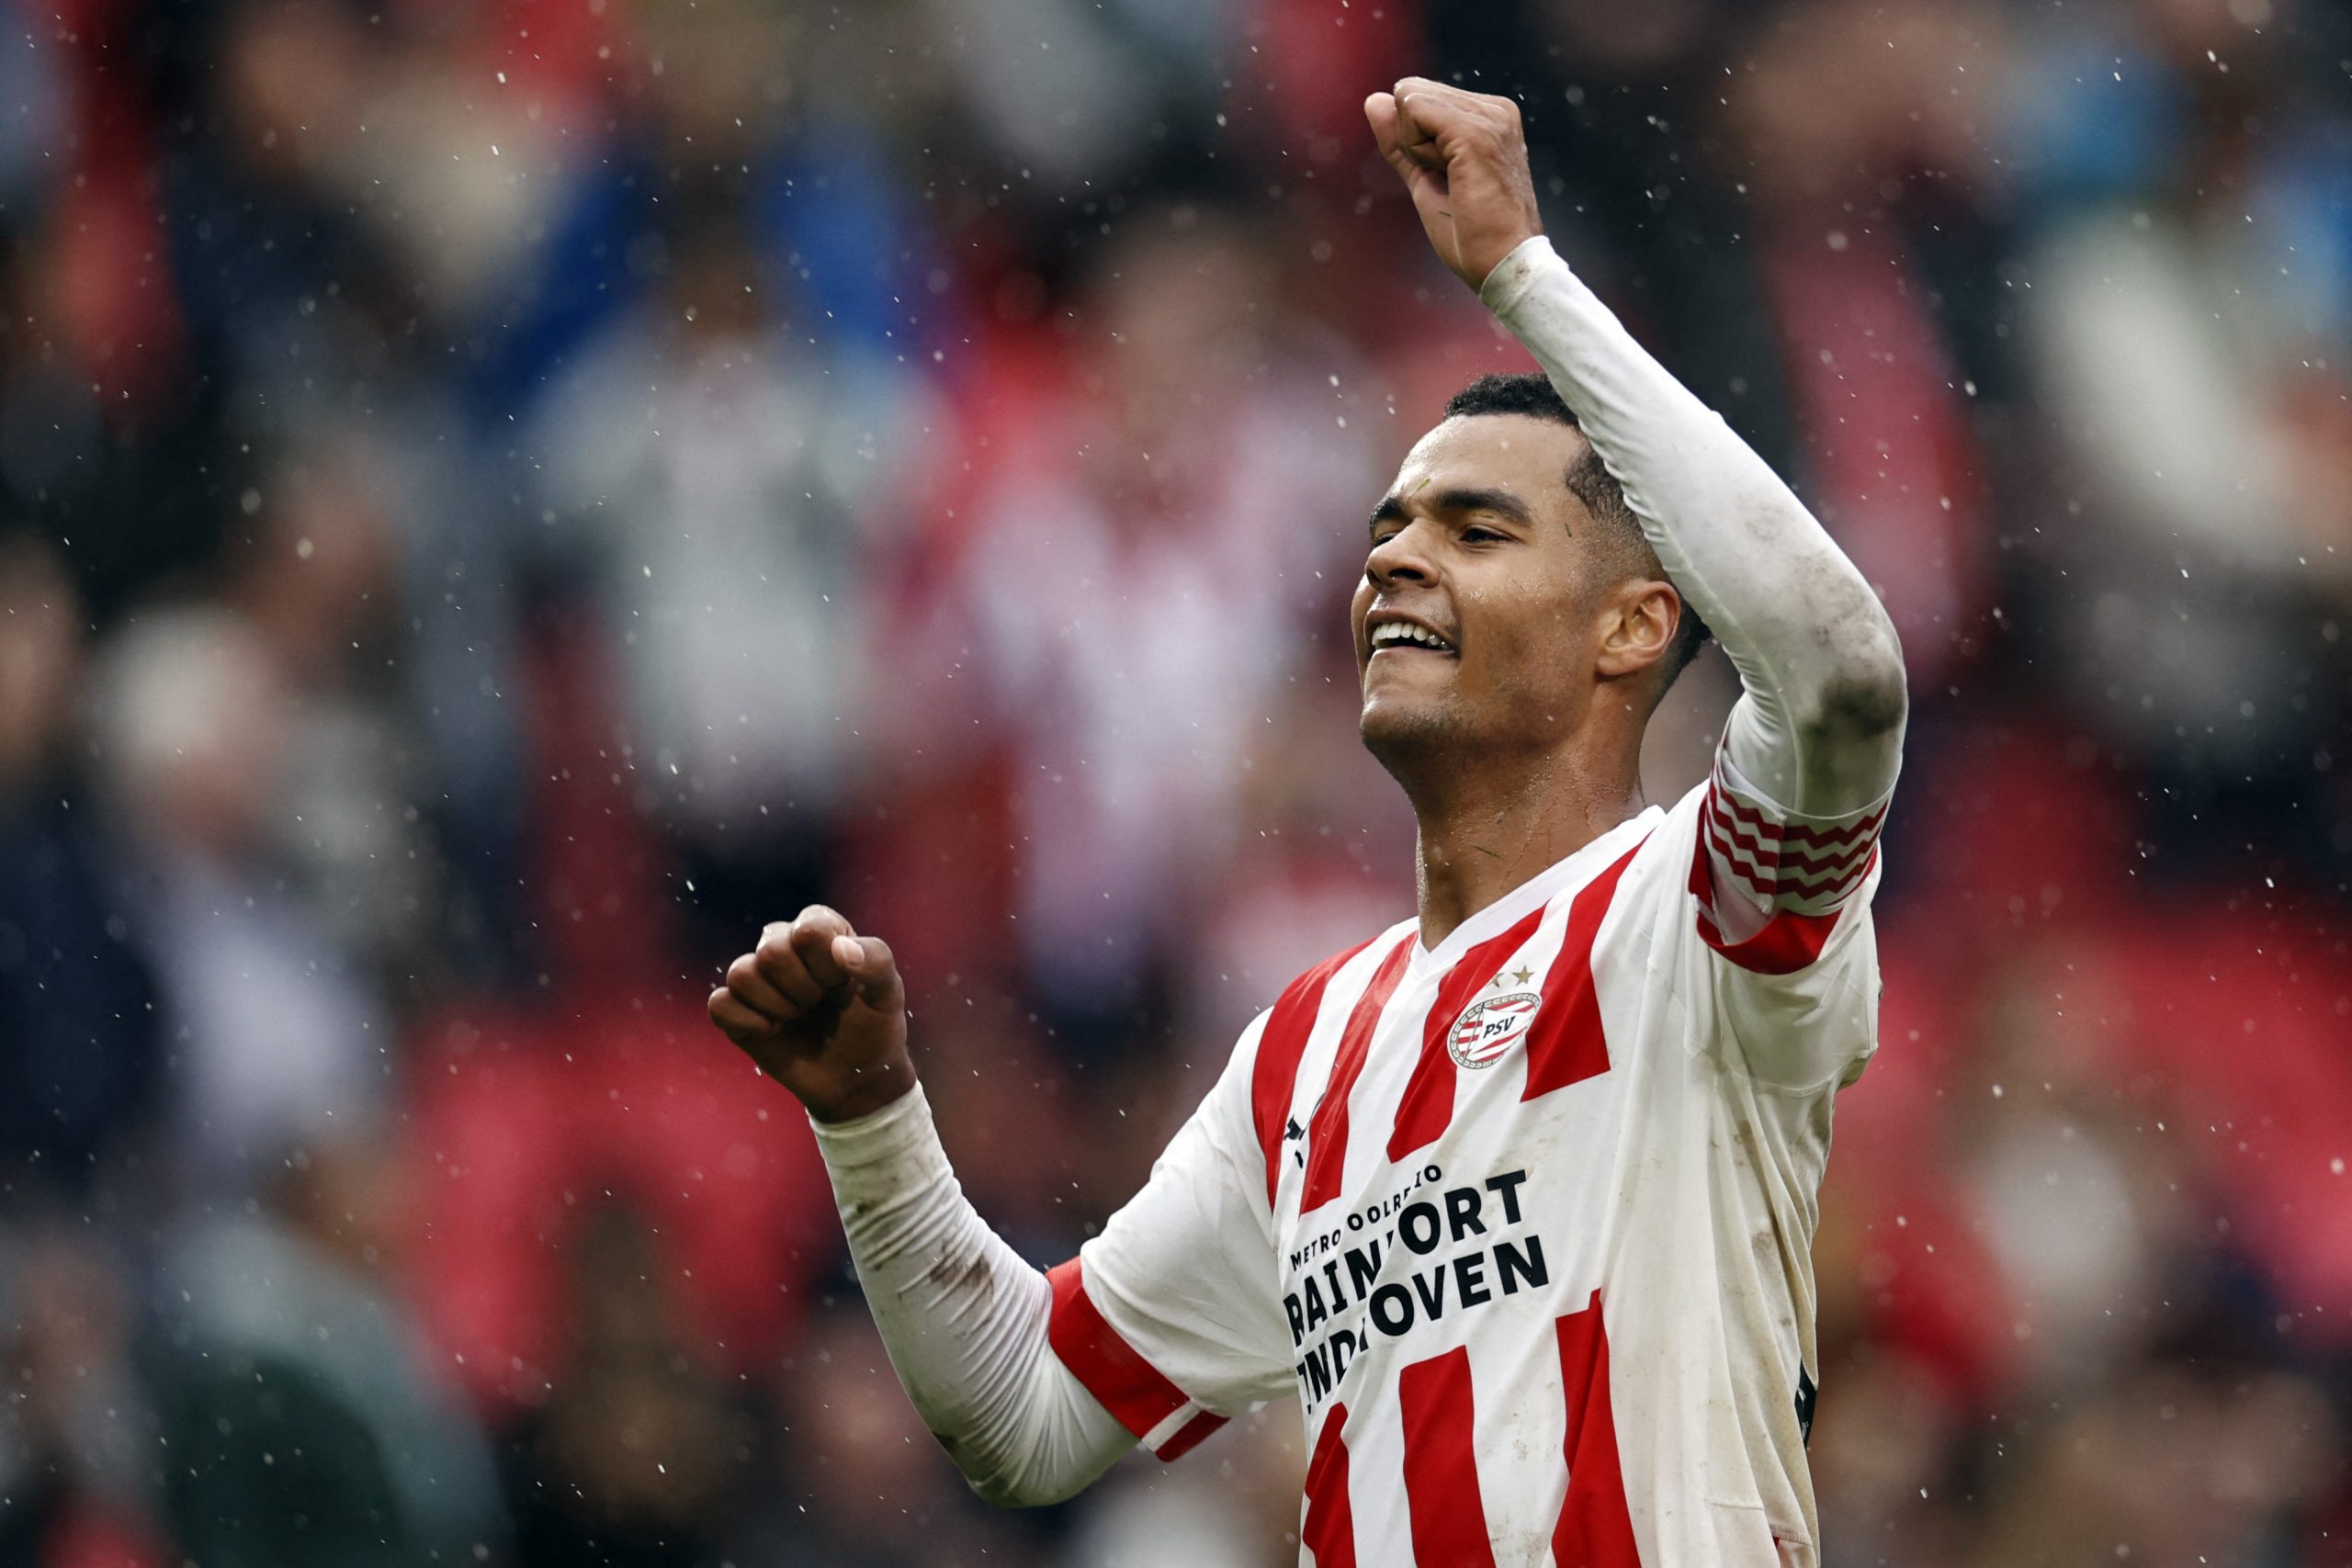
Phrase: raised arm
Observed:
(1819, 732)
(966, 1321)
(1033, 1383)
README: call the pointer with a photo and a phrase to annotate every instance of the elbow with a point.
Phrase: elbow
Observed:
(1021, 1490)
(1865, 697)
(1001, 1480)
(1017, 1479)
(1866, 706)
(1001, 1491)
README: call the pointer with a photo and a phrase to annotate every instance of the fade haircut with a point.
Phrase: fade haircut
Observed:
(1589, 480)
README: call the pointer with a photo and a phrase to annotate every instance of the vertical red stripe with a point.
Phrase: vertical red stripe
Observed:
(1273, 1076)
(1428, 1104)
(1327, 1134)
(1596, 1528)
(1566, 1046)
(1442, 1464)
(1329, 1532)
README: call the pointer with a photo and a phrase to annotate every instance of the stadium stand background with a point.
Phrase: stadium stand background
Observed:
(498, 497)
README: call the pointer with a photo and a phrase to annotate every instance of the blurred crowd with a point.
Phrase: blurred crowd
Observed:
(498, 498)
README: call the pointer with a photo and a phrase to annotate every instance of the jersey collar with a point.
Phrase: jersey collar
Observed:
(1574, 870)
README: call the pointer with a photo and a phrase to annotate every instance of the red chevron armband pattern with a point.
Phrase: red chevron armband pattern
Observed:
(1773, 861)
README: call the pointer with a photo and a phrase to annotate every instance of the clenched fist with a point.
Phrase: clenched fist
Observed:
(1464, 160)
(820, 1009)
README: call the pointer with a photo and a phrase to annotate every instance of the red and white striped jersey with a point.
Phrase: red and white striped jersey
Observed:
(1524, 1220)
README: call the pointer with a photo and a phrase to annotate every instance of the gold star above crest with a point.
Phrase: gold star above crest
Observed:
(1522, 974)
(1495, 983)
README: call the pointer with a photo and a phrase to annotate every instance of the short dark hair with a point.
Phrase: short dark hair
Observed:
(1531, 392)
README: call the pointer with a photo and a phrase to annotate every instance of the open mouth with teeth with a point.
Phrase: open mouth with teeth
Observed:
(1407, 635)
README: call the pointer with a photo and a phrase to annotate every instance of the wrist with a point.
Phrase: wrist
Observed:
(868, 1090)
(1508, 281)
(883, 1152)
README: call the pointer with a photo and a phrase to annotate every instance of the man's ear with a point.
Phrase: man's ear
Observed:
(1639, 618)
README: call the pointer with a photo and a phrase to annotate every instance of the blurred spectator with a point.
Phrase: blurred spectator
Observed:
(315, 584)
(628, 1462)
(1072, 94)
(2181, 335)
(132, 491)
(81, 1065)
(2188, 1461)
(515, 1123)
(1300, 892)
(1182, 470)
(307, 1421)
(277, 1028)
(751, 110)
(858, 1482)
(729, 480)
(77, 1434)
(1241, 1512)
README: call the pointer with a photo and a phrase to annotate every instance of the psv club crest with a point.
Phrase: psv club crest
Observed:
(1489, 1028)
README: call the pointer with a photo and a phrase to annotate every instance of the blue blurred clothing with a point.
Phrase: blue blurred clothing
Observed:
(82, 1062)
(839, 236)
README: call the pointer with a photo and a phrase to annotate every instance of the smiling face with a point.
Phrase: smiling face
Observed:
(1495, 608)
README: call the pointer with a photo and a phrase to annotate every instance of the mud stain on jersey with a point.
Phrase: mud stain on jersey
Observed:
(956, 1275)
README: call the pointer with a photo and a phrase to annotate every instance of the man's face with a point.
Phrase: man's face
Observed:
(1482, 544)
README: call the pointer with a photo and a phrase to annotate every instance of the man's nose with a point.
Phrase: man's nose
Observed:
(1403, 556)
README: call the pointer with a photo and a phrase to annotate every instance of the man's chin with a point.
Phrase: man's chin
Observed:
(1397, 731)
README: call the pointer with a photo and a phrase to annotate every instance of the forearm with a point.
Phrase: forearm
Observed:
(1822, 729)
(963, 1316)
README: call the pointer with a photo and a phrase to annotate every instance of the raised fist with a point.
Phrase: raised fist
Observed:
(820, 1009)
(1464, 160)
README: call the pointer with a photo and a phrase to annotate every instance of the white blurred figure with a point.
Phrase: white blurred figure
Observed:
(274, 1028)
(2082, 1210)
(320, 585)
(723, 471)
(1070, 91)
(1171, 1521)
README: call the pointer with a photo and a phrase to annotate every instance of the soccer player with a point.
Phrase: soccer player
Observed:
(1516, 1197)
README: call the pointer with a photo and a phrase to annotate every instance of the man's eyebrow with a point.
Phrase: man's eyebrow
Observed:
(1501, 503)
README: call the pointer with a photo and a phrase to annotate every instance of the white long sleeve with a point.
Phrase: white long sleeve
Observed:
(963, 1316)
(1820, 729)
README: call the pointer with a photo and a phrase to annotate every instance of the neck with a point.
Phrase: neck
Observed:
(1484, 832)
